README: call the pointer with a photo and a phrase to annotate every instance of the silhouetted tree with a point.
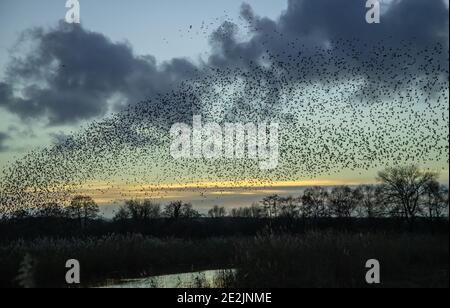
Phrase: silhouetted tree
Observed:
(122, 214)
(372, 203)
(344, 200)
(242, 212)
(405, 187)
(256, 211)
(133, 209)
(235, 213)
(152, 210)
(82, 208)
(314, 203)
(187, 211)
(217, 212)
(139, 211)
(271, 204)
(435, 201)
(289, 207)
(173, 209)
(178, 209)
(20, 214)
(51, 210)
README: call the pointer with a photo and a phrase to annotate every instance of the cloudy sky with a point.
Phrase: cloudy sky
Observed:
(57, 78)
(153, 28)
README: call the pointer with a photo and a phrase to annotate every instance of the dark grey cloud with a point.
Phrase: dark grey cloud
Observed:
(72, 74)
(411, 40)
(422, 20)
(308, 24)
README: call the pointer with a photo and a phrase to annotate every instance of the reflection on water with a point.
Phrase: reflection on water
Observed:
(205, 279)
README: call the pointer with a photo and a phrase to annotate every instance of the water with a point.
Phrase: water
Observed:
(182, 280)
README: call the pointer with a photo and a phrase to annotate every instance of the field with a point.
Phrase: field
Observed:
(323, 255)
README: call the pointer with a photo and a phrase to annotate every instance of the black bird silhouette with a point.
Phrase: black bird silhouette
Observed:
(349, 106)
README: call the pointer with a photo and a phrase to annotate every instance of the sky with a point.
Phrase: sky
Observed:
(58, 81)
(151, 27)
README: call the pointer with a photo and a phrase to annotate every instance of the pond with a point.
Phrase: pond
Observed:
(203, 279)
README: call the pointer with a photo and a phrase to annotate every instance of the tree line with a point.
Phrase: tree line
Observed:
(81, 209)
(401, 192)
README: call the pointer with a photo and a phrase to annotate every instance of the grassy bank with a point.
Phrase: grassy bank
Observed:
(338, 260)
(315, 259)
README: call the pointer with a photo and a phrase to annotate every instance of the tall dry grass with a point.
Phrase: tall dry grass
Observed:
(332, 260)
(113, 256)
(315, 259)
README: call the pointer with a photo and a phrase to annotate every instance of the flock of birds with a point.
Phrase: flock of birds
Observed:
(347, 106)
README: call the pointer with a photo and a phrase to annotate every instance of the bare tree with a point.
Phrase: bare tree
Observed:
(372, 203)
(314, 203)
(139, 211)
(51, 210)
(405, 186)
(82, 208)
(344, 200)
(173, 209)
(187, 211)
(235, 213)
(217, 212)
(151, 210)
(255, 211)
(133, 208)
(435, 201)
(271, 204)
(289, 207)
(178, 209)
(122, 214)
